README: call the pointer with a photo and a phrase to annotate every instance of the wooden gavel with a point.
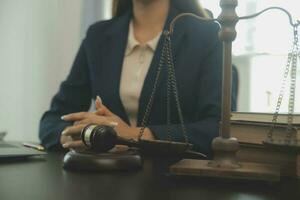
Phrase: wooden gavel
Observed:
(101, 139)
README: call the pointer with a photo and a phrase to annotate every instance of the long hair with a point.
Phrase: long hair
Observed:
(191, 6)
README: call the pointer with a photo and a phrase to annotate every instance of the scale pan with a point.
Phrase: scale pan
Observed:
(282, 145)
(168, 148)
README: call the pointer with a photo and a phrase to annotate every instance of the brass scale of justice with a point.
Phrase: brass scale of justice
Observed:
(224, 164)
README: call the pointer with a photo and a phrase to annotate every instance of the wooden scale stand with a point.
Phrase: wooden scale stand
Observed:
(225, 164)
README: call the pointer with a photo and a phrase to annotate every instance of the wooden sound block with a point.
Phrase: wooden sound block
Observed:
(115, 160)
(246, 171)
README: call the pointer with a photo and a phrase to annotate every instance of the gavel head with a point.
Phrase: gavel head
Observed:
(99, 138)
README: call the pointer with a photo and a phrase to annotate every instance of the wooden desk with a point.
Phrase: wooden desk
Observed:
(44, 178)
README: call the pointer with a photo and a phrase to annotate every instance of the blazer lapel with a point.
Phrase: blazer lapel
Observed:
(112, 61)
(176, 39)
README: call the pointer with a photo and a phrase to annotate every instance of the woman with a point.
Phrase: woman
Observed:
(118, 60)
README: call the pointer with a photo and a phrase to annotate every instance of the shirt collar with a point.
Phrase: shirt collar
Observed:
(132, 42)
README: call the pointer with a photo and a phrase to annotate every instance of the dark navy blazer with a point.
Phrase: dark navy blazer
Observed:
(97, 69)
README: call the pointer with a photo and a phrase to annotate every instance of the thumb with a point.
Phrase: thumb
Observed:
(101, 109)
(98, 103)
(104, 111)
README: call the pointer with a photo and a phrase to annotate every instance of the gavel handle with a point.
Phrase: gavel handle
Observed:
(127, 142)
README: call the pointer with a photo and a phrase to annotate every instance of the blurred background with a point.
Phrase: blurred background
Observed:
(39, 39)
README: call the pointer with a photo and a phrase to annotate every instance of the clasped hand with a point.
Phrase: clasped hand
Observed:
(70, 137)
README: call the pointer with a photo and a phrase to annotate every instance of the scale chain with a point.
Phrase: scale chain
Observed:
(166, 59)
(168, 95)
(280, 97)
(175, 90)
(291, 105)
(151, 99)
(292, 60)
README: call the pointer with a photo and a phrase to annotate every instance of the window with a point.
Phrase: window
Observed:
(260, 53)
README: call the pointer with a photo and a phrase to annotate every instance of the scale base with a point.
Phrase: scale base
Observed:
(226, 165)
(127, 160)
(246, 171)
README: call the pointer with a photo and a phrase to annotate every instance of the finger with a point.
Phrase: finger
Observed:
(100, 120)
(73, 130)
(104, 111)
(76, 123)
(75, 116)
(98, 103)
(75, 137)
(64, 139)
(74, 145)
(113, 124)
(84, 121)
(100, 112)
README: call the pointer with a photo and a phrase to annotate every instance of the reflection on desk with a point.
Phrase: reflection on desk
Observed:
(44, 178)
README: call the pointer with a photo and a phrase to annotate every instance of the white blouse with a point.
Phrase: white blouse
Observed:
(136, 64)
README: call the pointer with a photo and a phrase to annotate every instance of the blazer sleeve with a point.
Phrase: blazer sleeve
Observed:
(74, 95)
(201, 133)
